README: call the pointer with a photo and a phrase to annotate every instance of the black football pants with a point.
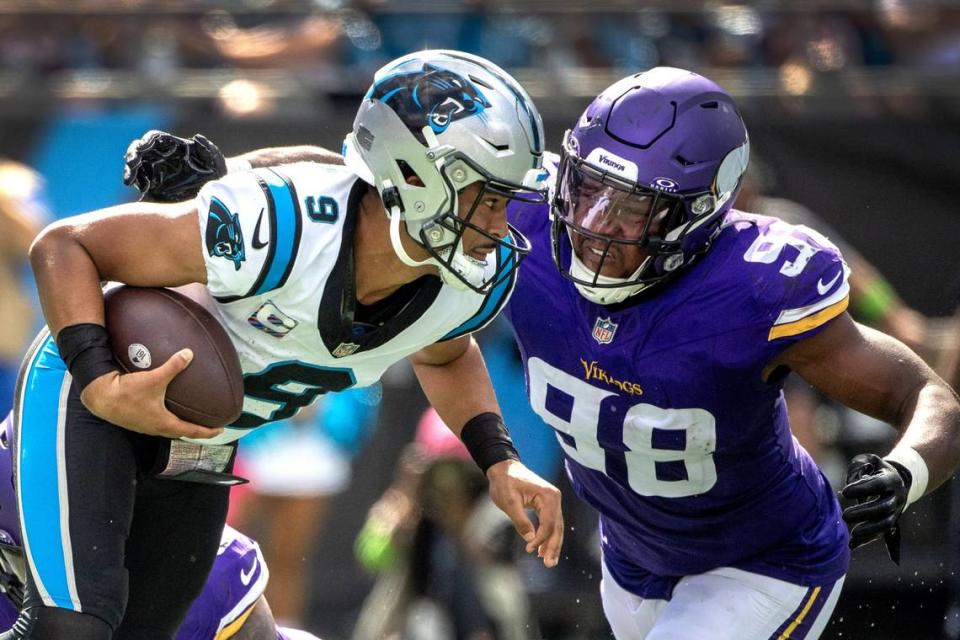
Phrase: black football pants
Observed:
(108, 545)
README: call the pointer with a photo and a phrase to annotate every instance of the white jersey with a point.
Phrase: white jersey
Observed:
(278, 246)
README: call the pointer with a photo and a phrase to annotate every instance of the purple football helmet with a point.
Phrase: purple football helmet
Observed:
(644, 181)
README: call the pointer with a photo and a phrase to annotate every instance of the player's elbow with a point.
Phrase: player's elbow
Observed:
(48, 243)
(949, 402)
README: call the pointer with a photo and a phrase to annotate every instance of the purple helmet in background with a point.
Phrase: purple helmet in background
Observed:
(644, 180)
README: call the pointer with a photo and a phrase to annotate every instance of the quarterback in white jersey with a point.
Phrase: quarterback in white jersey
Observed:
(282, 299)
(324, 277)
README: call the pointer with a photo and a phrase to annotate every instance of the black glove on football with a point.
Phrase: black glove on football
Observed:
(167, 168)
(880, 488)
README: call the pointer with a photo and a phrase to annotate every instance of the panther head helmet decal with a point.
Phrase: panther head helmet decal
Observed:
(431, 96)
(434, 123)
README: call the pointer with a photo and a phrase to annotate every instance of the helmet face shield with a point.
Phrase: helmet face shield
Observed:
(613, 224)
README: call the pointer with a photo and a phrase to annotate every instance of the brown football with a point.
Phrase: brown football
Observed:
(148, 325)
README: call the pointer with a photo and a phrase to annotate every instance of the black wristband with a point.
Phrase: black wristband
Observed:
(486, 438)
(86, 350)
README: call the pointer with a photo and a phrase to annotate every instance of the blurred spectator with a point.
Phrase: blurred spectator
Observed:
(330, 37)
(22, 215)
(276, 39)
(392, 29)
(295, 468)
(443, 553)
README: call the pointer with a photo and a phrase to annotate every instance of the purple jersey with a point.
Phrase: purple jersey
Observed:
(659, 405)
(234, 585)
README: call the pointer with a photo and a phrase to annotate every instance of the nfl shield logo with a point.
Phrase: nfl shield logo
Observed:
(345, 349)
(603, 330)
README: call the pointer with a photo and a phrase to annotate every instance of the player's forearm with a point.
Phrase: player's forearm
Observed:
(285, 155)
(67, 279)
(931, 426)
(141, 244)
(459, 389)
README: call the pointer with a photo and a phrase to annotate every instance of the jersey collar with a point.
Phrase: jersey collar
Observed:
(337, 322)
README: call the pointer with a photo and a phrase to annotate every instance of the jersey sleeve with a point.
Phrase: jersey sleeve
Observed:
(805, 283)
(250, 226)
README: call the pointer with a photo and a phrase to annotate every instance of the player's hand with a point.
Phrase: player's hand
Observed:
(166, 168)
(514, 488)
(880, 489)
(134, 401)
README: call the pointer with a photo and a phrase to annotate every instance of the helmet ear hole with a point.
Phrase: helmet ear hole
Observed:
(409, 175)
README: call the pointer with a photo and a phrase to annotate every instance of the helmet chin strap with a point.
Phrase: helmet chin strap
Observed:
(470, 269)
(604, 295)
(395, 219)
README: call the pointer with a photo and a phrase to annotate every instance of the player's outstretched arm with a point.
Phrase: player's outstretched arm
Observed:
(167, 168)
(878, 375)
(140, 244)
(455, 380)
(273, 156)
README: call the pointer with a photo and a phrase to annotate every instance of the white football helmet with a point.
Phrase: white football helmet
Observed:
(451, 119)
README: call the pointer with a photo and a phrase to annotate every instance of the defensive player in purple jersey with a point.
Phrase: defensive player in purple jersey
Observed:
(231, 605)
(656, 339)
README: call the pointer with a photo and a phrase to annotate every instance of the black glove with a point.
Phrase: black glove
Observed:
(166, 168)
(880, 488)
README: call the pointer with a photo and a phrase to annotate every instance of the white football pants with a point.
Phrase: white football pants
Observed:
(723, 604)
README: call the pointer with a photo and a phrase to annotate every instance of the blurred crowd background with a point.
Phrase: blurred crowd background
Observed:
(373, 524)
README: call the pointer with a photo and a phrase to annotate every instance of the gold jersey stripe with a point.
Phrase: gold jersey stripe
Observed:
(805, 324)
(803, 613)
(231, 629)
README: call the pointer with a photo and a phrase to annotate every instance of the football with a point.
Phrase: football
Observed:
(148, 325)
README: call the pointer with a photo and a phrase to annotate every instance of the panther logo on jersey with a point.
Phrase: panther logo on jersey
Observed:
(223, 237)
(431, 96)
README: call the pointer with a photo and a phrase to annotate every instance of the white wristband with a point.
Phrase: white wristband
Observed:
(914, 463)
(238, 164)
